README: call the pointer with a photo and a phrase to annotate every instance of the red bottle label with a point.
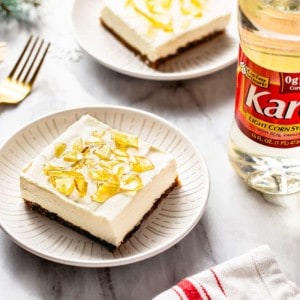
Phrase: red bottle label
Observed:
(267, 106)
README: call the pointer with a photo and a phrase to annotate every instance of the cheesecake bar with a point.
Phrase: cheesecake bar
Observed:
(159, 29)
(98, 181)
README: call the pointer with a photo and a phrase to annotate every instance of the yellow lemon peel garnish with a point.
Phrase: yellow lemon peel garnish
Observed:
(59, 149)
(141, 164)
(105, 162)
(124, 141)
(105, 191)
(161, 13)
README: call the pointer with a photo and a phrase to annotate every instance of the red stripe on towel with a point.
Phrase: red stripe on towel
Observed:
(205, 292)
(189, 290)
(178, 294)
(218, 281)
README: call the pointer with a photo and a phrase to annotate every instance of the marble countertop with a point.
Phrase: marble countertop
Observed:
(236, 219)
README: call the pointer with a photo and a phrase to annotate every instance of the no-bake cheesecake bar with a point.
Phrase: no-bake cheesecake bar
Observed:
(97, 180)
(159, 29)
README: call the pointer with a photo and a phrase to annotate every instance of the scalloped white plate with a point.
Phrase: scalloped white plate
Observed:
(205, 59)
(167, 225)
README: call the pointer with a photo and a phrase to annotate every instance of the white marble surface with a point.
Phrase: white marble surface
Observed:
(236, 219)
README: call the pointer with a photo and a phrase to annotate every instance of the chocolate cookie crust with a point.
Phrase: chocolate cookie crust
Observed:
(37, 208)
(155, 64)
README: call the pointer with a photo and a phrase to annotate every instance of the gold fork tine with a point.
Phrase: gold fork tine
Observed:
(31, 82)
(25, 64)
(18, 84)
(33, 61)
(14, 69)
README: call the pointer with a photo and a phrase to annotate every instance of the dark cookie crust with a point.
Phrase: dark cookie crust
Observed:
(37, 208)
(157, 63)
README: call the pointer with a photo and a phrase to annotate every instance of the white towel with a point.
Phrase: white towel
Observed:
(252, 276)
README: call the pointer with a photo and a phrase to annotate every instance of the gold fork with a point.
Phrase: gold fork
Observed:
(18, 84)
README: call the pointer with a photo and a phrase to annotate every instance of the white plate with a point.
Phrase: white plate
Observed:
(169, 223)
(106, 49)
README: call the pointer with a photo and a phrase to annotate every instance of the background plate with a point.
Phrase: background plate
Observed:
(169, 223)
(207, 58)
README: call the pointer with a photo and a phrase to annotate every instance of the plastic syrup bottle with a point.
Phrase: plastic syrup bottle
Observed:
(264, 146)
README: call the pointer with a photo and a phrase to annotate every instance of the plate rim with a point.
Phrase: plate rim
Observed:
(185, 75)
(113, 262)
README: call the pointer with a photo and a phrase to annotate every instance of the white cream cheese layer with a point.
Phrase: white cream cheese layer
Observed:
(151, 38)
(117, 216)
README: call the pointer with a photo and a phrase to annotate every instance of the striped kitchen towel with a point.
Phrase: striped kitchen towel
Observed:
(252, 276)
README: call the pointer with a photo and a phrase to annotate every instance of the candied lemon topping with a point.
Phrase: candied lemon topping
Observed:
(161, 13)
(102, 158)
(59, 149)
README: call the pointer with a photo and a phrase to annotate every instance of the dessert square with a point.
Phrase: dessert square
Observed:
(97, 180)
(159, 29)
